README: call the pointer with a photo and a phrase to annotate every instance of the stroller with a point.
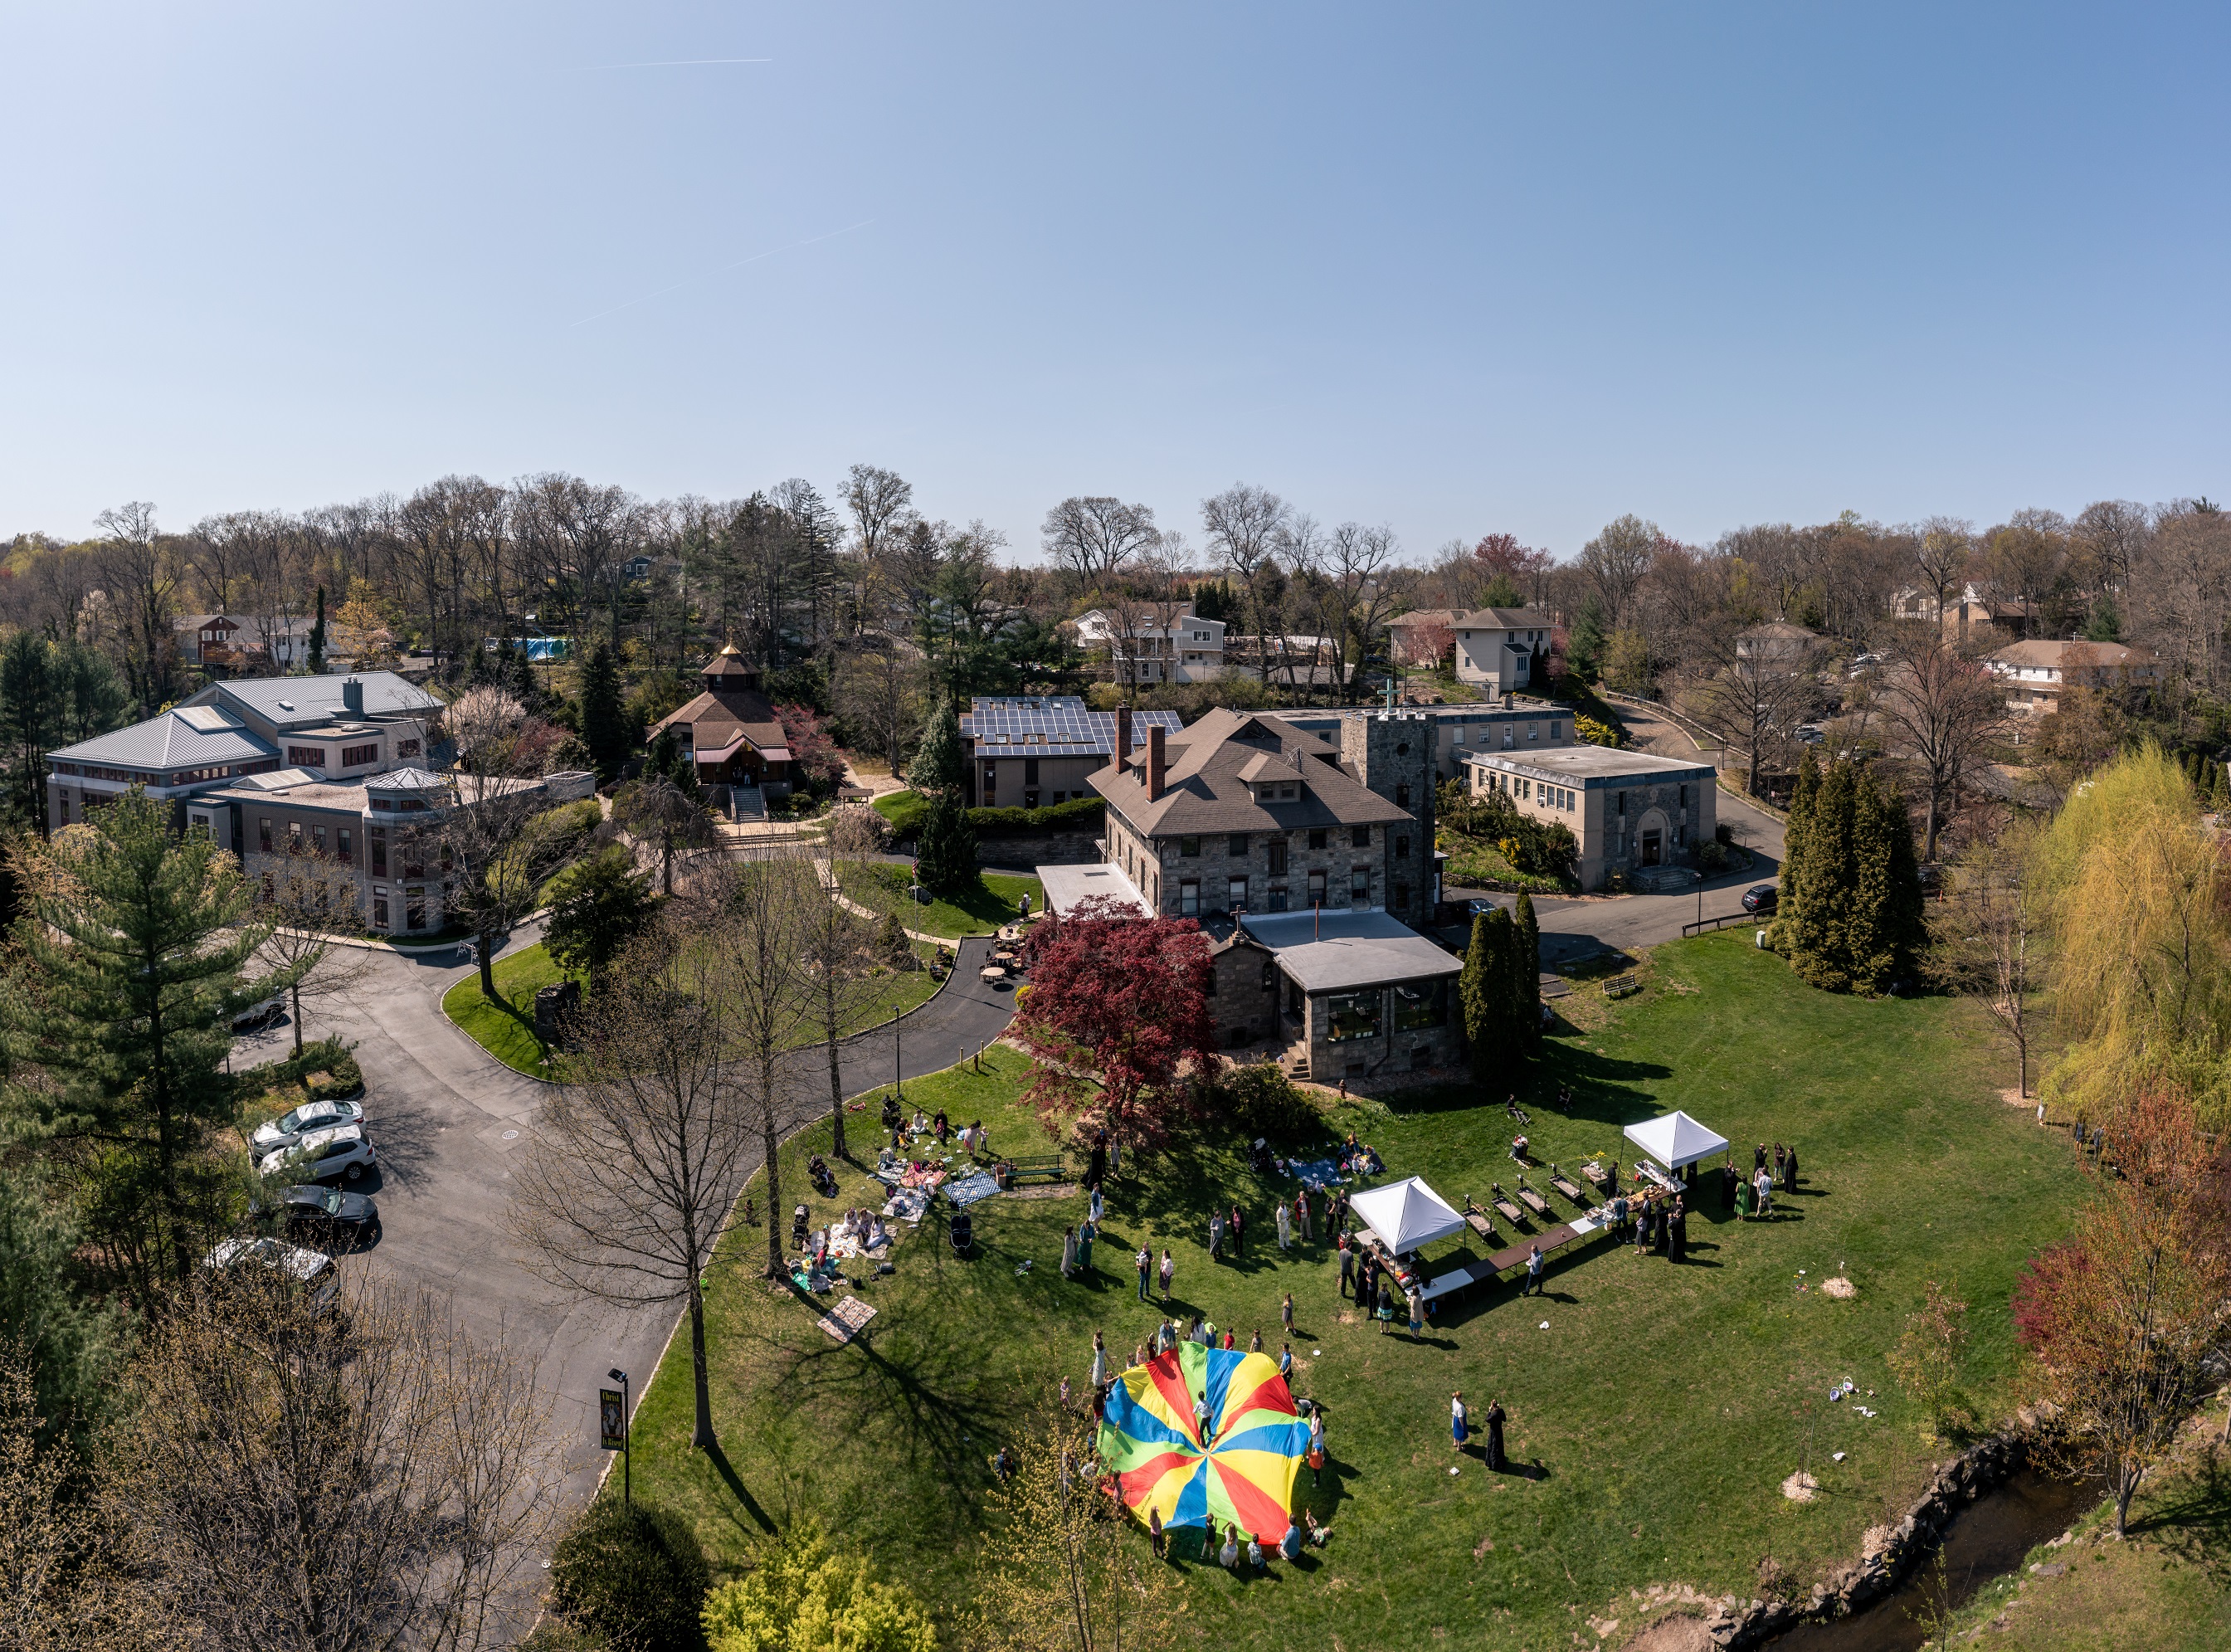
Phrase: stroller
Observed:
(961, 1233)
(797, 1220)
(817, 1172)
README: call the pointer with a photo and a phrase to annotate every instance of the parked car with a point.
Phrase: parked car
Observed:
(312, 1270)
(1479, 906)
(257, 1017)
(342, 1151)
(328, 1214)
(1810, 734)
(1761, 897)
(288, 1129)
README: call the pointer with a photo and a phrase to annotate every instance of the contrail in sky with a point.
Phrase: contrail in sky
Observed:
(723, 270)
(680, 62)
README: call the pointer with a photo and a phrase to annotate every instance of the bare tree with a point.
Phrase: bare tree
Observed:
(1945, 709)
(878, 691)
(837, 957)
(1096, 538)
(1357, 596)
(1614, 562)
(2023, 561)
(346, 1481)
(655, 809)
(306, 892)
(1245, 526)
(1941, 556)
(141, 569)
(2108, 538)
(1989, 939)
(881, 504)
(1753, 700)
(637, 1159)
(2180, 597)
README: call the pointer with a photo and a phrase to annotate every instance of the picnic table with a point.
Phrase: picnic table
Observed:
(1597, 1175)
(1048, 1166)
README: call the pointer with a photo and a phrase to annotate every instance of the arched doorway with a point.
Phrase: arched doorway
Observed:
(1653, 839)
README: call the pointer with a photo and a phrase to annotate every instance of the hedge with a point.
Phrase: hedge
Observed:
(907, 810)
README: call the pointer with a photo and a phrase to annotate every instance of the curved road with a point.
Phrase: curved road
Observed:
(446, 1117)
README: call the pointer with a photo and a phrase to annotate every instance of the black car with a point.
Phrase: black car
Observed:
(1761, 897)
(329, 1213)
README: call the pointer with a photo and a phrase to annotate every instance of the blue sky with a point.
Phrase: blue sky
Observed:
(1459, 268)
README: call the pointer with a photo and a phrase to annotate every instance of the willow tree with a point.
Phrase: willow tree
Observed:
(2135, 889)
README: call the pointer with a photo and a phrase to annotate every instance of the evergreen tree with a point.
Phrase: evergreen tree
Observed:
(318, 637)
(1792, 843)
(938, 766)
(668, 762)
(598, 905)
(1884, 932)
(603, 718)
(945, 852)
(137, 943)
(1484, 989)
(1826, 882)
(1528, 982)
(523, 683)
(1584, 649)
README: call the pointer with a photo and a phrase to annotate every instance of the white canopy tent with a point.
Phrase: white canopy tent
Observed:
(1406, 1216)
(1676, 1140)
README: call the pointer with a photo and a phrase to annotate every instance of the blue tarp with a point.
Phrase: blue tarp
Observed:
(968, 1190)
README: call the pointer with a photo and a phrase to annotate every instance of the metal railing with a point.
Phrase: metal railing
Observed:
(1699, 925)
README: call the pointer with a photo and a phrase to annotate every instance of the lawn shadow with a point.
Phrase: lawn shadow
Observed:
(737, 1489)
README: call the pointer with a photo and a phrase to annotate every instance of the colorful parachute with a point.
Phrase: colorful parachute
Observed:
(1207, 1436)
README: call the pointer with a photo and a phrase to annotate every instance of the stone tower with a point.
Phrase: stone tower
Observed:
(1392, 752)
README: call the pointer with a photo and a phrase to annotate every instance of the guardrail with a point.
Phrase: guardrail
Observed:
(1697, 926)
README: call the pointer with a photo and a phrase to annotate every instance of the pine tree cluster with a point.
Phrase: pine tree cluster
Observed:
(1849, 918)
(1501, 991)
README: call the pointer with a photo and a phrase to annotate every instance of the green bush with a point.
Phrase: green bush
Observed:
(800, 1597)
(1261, 1100)
(907, 811)
(343, 1077)
(633, 1575)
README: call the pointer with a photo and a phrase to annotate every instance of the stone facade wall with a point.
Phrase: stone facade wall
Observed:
(1245, 1002)
(1392, 752)
(1393, 1050)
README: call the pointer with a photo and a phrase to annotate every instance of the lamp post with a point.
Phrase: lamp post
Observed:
(627, 1436)
(898, 1065)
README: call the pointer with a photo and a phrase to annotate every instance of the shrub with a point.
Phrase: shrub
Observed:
(1712, 857)
(908, 812)
(1261, 1100)
(633, 1574)
(1596, 733)
(343, 1077)
(798, 1597)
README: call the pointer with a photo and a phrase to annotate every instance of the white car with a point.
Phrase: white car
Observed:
(284, 1131)
(322, 1155)
(312, 1270)
(257, 1017)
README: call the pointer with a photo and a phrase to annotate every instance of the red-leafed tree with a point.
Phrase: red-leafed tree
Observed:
(1123, 998)
(812, 752)
(2127, 1317)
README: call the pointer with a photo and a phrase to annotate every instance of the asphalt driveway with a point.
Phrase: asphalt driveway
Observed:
(447, 1117)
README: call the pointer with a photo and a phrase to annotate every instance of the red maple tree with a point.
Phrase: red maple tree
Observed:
(1123, 998)
(812, 752)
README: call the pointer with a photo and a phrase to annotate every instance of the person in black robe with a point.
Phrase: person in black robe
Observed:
(1096, 1169)
(1495, 1436)
(1789, 1172)
(1758, 1159)
(1728, 1183)
(1678, 1234)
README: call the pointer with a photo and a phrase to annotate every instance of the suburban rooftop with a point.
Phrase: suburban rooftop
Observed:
(1589, 765)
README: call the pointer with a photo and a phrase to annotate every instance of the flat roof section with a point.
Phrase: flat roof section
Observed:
(1068, 887)
(1330, 952)
(1585, 765)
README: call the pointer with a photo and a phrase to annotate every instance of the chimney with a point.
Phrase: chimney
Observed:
(1154, 760)
(352, 697)
(1123, 735)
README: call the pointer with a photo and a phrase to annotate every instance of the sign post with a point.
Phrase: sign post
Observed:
(613, 1420)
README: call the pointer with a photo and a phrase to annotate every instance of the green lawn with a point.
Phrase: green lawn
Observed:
(979, 911)
(1664, 1405)
(504, 1026)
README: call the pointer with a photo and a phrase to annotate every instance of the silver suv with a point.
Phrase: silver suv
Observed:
(289, 1128)
(313, 1271)
(322, 1154)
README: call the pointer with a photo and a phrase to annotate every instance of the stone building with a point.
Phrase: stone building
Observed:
(1630, 812)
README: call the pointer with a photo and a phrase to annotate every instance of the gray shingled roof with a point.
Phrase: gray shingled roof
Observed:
(1341, 951)
(1206, 788)
(301, 699)
(167, 742)
(1504, 619)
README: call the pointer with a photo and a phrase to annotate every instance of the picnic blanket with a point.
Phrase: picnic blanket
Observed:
(1317, 1173)
(909, 1204)
(969, 1190)
(929, 1176)
(848, 1318)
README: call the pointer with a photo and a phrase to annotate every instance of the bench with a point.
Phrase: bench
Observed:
(1621, 986)
(1045, 1166)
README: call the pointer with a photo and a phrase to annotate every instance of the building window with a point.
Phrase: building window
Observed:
(1030, 772)
(1421, 1004)
(1277, 848)
(1237, 844)
(310, 756)
(1317, 838)
(199, 823)
(414, 909)
(1359, 886)
(1401, 848)
(1359, 837)
(1683, 792)
(1277, 901)
(348, 846)
(1622, 805)
(263, 833)
(991, 782)
(352, 755)
(1351, 1015)
(317, 834)
(1317, 887)
(1402, 797)
(1189, 898)
(379, 851)
(406, 749)
(1533, 731)
(1189, 848)
(1237, 897)
(1030, 798)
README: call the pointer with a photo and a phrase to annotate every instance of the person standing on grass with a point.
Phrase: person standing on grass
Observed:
(1158, 1541)
(1385, 1311)
(1765, 1196)
(1068, 1252)
(1215, 1236)
(1417, 1313)
(1166, 1278)
(1346, 1266)
(1286, 1313)
(1230, 1554)
(1495, 1435)
(1286, 1228)
(1084, 1248)
(1789, 1170)
(1286, 1359)
(1145, 1263)
(1099, 1360)
(1301, 1211)
(1255, 1344)
(1098, 1210)
(1234, 1228)
(1728, 1183)
(1678, 1234)
(1230, 1340)
(1457, 1418)
(1533, 1285)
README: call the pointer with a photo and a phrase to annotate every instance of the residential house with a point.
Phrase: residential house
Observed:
(1778, 643)
(1029, 751)
(2035, 673)
(1187, 650)
(1628, 811)
(201, 636)
(1424, 636)
(1458, 730)
(1964, 612)
(1503, 649)
(731, 730)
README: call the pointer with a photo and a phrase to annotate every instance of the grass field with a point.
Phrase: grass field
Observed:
(1664, 1405)
(504, 1026)
(978, 911)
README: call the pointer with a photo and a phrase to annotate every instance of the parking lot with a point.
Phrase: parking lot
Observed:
(447, 1118)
